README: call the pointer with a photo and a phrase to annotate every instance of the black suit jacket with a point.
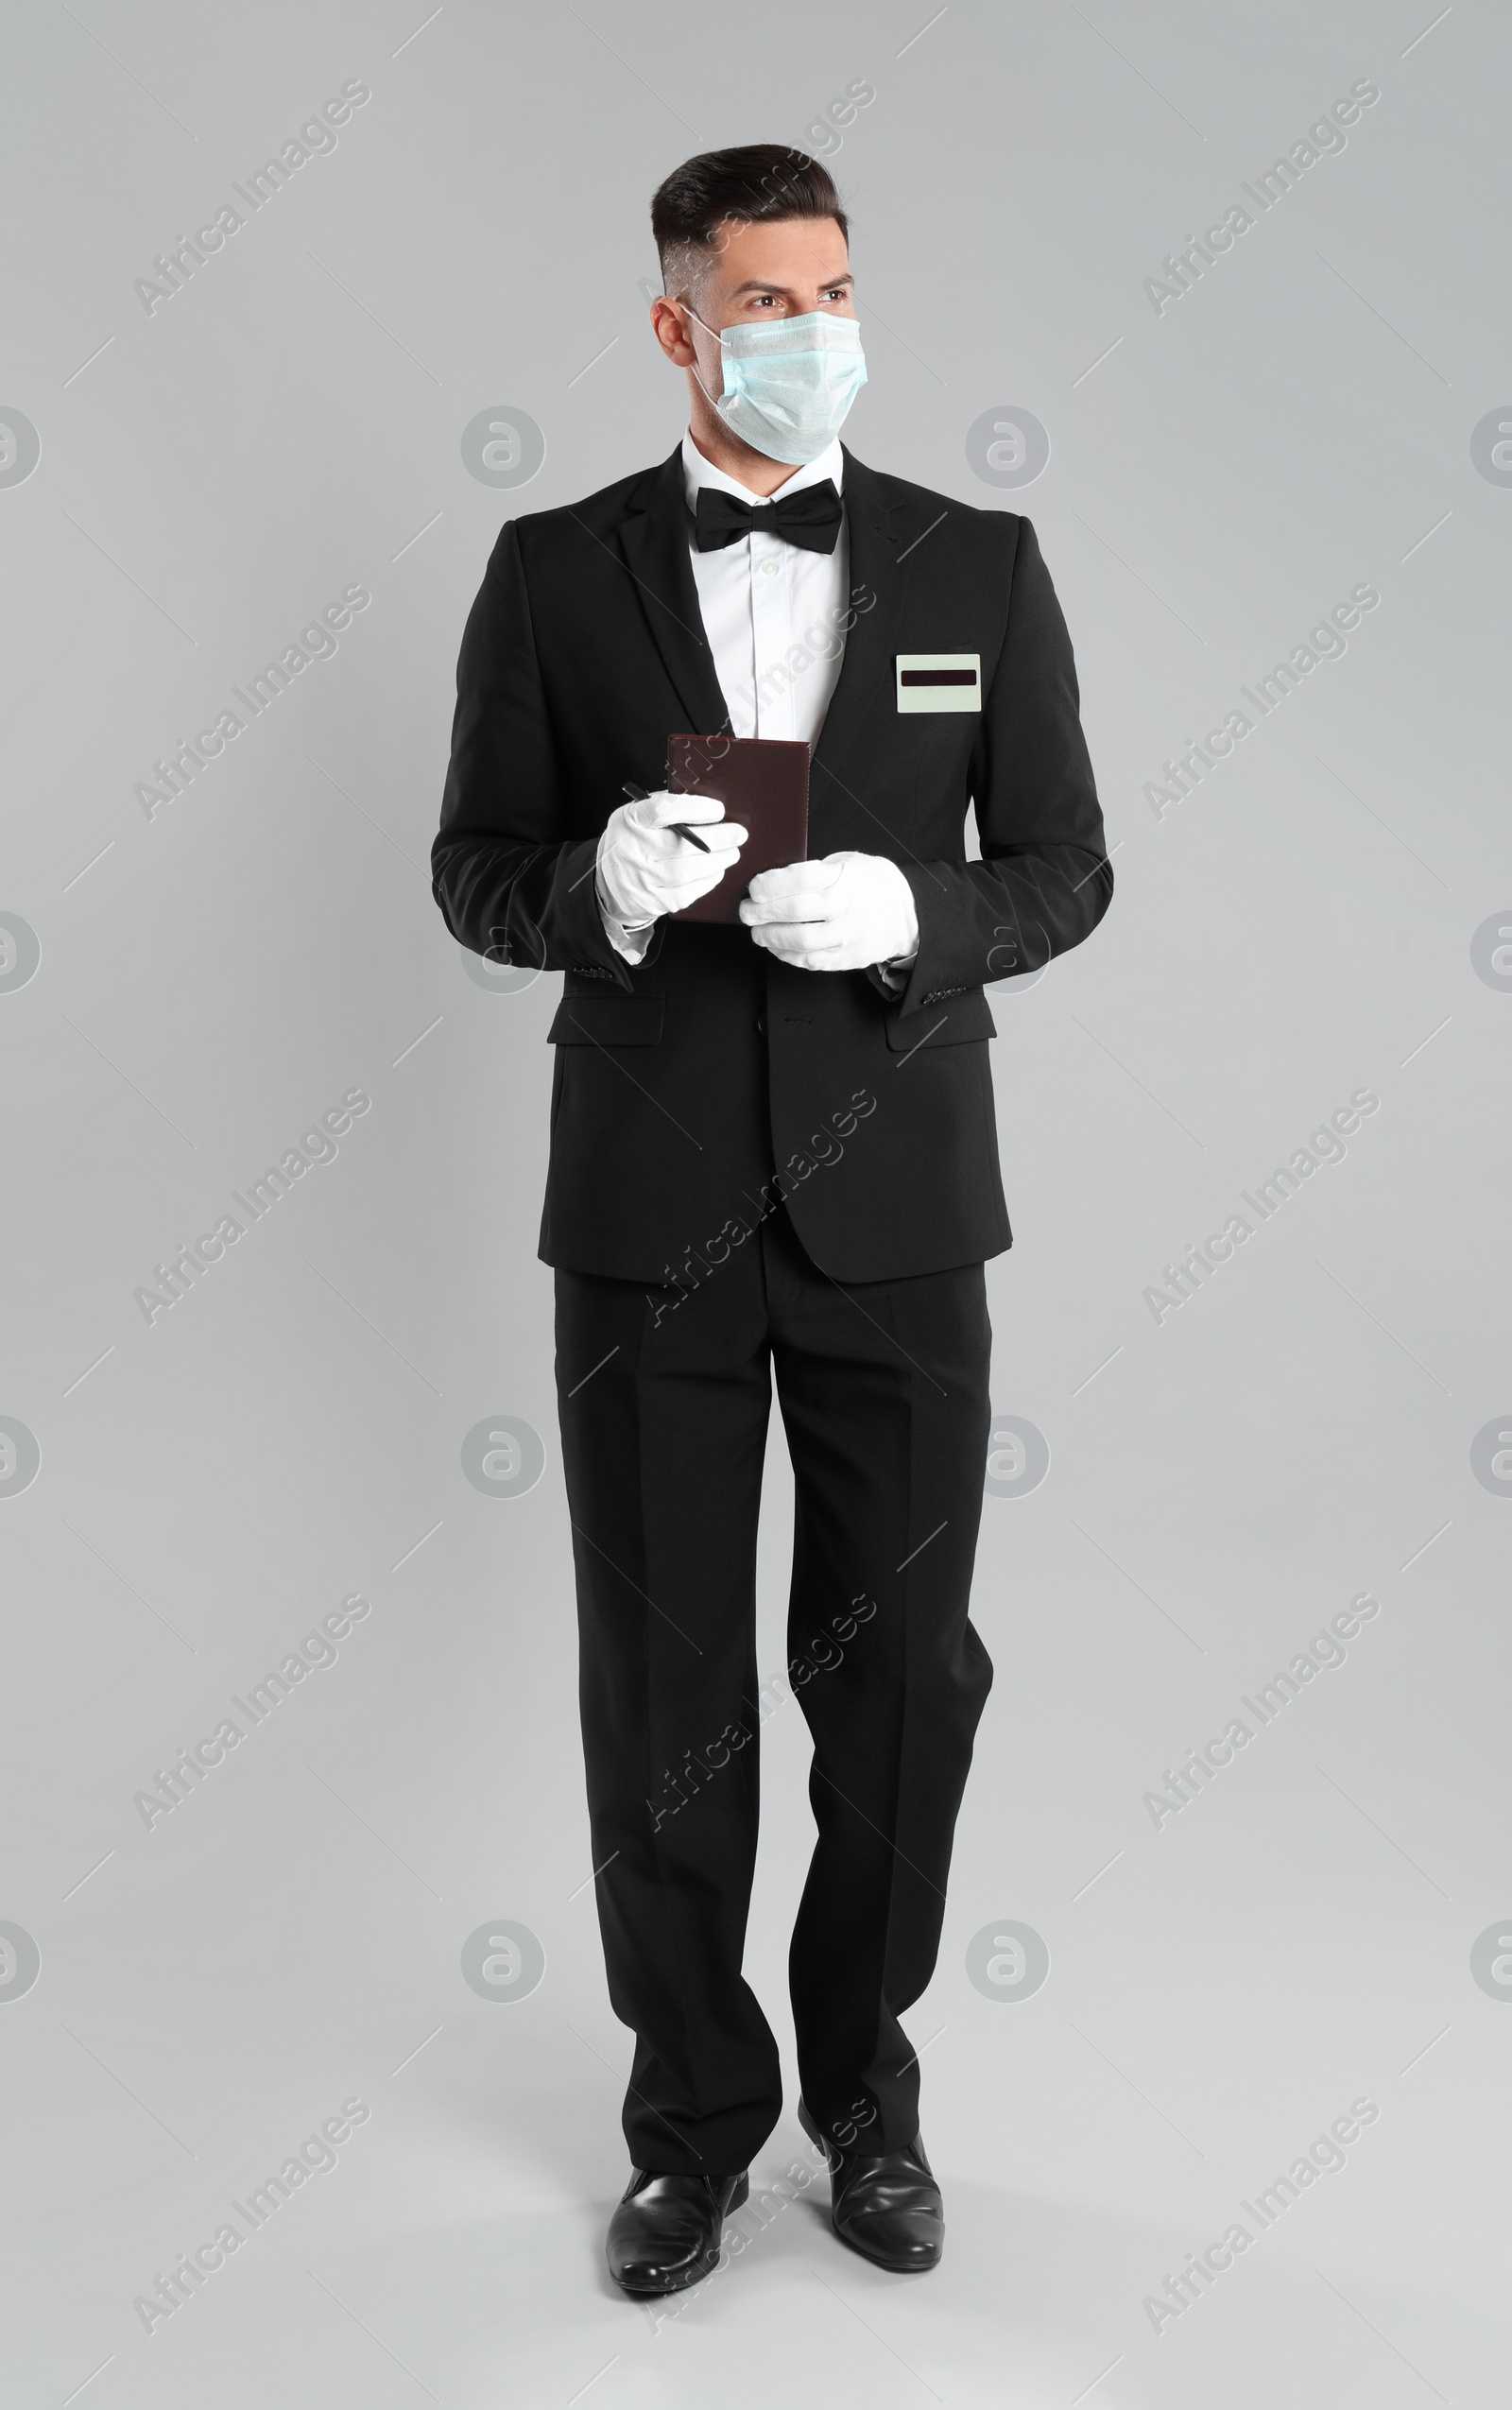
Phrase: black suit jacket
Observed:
(684, 1085)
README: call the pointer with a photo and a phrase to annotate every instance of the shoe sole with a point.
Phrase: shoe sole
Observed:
(693, 2275)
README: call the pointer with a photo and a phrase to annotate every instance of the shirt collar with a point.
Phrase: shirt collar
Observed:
(698, 472)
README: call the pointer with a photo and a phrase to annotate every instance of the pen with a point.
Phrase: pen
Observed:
(637, 795)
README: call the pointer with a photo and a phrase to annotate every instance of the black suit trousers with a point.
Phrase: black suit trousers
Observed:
(664, 1397)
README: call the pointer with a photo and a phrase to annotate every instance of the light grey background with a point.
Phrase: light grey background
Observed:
(1220, 1484)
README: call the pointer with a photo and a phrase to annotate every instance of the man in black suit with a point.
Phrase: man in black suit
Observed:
(773, 1145)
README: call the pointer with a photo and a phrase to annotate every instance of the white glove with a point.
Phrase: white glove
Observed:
(844, 913)
(644, 869)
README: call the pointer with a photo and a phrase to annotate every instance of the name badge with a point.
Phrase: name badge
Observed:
(939, 681)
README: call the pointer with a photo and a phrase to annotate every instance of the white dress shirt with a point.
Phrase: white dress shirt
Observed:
(774, 612)
(774, 615)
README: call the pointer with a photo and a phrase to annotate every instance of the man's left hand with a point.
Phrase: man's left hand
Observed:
(844, 913)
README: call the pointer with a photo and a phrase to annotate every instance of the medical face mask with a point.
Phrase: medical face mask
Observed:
(788, 384)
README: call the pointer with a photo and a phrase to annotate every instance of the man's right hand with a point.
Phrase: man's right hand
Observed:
(645, 869)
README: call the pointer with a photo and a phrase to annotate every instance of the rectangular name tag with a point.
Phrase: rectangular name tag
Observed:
(939, 681)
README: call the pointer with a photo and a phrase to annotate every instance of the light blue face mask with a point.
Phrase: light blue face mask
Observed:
(788, 384)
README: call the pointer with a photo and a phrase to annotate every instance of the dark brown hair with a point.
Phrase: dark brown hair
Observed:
(756, 184)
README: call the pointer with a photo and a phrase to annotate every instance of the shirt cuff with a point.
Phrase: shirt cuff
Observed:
(629, 938)
(895, 971)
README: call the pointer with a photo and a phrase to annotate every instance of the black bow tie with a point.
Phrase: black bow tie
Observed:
(810, 518)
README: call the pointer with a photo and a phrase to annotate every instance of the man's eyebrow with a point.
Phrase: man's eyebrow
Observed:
(764, 285)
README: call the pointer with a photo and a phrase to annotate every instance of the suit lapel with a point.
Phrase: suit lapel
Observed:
(654, 540)
(879, 533)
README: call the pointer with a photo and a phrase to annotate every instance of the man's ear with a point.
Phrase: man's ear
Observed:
(666, 325)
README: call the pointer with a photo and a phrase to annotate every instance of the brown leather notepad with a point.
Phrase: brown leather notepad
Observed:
(763, 782)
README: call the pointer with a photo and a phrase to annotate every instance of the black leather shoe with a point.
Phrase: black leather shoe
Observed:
(665, 2232)
(886, 2205)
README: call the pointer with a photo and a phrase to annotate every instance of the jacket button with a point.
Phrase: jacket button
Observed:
(761, 1022)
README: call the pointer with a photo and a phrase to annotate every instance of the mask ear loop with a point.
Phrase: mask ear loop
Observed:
(696, 378)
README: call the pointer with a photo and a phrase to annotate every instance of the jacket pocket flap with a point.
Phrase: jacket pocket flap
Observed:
(607, 1021)
(946, 1023)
